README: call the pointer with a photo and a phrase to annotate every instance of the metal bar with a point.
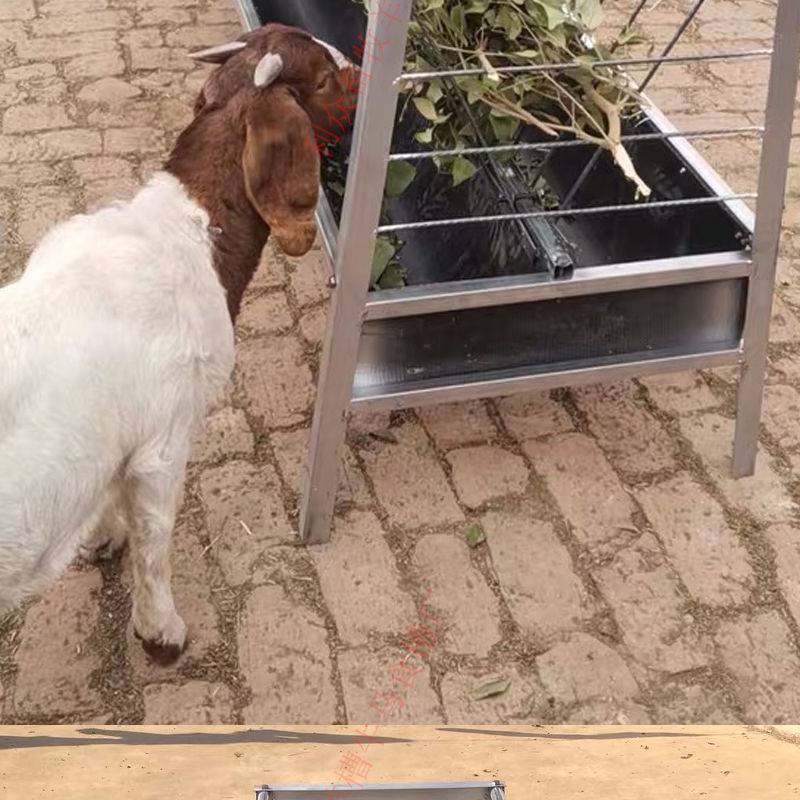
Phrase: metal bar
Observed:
(610, 62)
(247, 14)
(715, 133)
(461, 295)
(326, 223)
(672, 42)
(374, 122)
(455, 790)
(771, 199)
(436, 223)
(585, 172)
(508, 382)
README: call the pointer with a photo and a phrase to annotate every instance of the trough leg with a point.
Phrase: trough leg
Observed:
(383, 61)
(771, 197)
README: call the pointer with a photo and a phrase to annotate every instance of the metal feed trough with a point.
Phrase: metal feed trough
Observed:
(468, 790)
(503, 297)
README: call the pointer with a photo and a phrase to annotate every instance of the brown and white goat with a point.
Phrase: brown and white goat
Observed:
(118, 337)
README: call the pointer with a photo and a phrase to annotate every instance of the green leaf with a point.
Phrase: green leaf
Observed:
(398, 176)
(458, 18)
(424, 137)
(384, 251)
(426, 108)
(462, 170)
(475, 535)
(394, 277)
(510, 22)
(504, 127)
(590, 12)
(434, 92)
(477, 7)
(491, 689)
(432, 5)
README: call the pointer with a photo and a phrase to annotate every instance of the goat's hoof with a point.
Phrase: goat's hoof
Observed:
(161, 652)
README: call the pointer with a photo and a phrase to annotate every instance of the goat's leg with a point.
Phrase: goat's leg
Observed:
(153, 495)
(111, 534)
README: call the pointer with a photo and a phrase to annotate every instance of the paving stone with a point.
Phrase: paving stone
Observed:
(313, 324)
(587, 490)
(762, 494)
(633, 438)
(167, 58)
(781, 407)
(94, 20)
(112, 91)
(132, 140)
(29, 72)
(166, 15)
(40, 212)
(35, 117)
(709, 558)
(200, 36)
(517, 704)
(350, 567)
(225, 434)
(760, 655)
(309, 278)
(270, 272)
(528, 416)
(481, 474)
(276, 379)
(785, 541)
(645, 598)
(284, 657)
(582, 668)
(55, 659)
(103, 193)
(291, 450)
(25, 174)
(693, 705)
(265, 314)
(17, 9)
(785, 326)
(14, 149)
(70, 143)
(609, 712)
(454, 424)
(385, 687)
(50, 48)
(194, 703)
(680, 393)
(244, 514)
(409, 481)
(192, 593)
(102, 168)
(462, 602)
(536, 575)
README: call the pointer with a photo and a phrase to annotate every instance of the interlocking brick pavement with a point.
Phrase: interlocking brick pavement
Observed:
(625, 577)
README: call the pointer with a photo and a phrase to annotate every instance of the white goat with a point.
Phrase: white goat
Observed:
(118, 337)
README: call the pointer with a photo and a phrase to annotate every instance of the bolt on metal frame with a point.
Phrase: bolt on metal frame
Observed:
(351, 247)
(464, 790)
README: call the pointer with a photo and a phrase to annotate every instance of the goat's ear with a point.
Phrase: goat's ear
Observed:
(282, 169)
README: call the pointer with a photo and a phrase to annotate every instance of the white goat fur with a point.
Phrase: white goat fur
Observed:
(113, 345)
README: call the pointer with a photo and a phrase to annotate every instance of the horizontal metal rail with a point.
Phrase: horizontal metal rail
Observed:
(716, 133)
(486, 292)
(508, 382)
(570, 212)
(455, 790)
(610, 62)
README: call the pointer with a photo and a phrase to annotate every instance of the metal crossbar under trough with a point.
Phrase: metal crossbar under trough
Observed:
(423, 343)
(467, 790)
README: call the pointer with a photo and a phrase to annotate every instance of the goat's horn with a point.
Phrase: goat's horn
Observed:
(218, 54)
(268, 70)
(341, 61)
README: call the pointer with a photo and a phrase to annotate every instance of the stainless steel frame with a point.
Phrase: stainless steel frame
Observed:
(464, 790)
(353, 309)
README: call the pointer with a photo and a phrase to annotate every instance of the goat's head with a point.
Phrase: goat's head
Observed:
(319, 77)
(282, 84)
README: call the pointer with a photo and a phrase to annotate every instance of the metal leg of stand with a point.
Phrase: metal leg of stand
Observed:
(374, 123)
(771, 194)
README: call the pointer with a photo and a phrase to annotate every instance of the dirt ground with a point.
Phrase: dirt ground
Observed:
(628, 763)
(624, 576)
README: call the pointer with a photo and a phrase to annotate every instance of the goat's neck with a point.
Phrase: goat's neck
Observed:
(207, 160)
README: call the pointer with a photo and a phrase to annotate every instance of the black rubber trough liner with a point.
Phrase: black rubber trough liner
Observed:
(486, 301)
